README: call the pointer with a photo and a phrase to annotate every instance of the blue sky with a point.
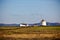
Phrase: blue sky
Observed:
(29, 11)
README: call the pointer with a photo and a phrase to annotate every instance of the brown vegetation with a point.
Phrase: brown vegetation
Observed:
(29, 33)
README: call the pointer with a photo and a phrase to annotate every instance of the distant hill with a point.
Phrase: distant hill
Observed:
(53, 24)
(35, 24)
(48, 24)
(9, 24)
(39, 24)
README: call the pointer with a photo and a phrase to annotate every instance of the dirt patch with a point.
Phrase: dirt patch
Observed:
(32, 35)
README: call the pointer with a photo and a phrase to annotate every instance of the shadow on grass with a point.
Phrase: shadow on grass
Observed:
(9, 38)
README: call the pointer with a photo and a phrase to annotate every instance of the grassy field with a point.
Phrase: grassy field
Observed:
(29, 32)
(18, 30)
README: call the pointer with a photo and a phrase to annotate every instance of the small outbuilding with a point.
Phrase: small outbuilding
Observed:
(23, 24)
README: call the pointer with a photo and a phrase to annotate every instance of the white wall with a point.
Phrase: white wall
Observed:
(22, 25)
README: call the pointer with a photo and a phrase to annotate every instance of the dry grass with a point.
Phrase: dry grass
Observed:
(29, 32)
(20, 30)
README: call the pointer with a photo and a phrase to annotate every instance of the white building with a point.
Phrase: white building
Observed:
(43, 23)
(22, 24)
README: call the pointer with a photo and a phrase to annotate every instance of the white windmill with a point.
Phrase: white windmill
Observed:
(43, 23)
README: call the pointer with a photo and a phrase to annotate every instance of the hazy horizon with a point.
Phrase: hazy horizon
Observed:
(29, 11)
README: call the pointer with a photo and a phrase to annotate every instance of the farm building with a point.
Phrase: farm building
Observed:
(22, 24)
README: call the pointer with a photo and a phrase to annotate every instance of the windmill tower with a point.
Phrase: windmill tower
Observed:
(43, 22)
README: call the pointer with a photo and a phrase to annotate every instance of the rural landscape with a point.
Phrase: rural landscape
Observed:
(30, 33)
(29, 19)
(36, 31)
